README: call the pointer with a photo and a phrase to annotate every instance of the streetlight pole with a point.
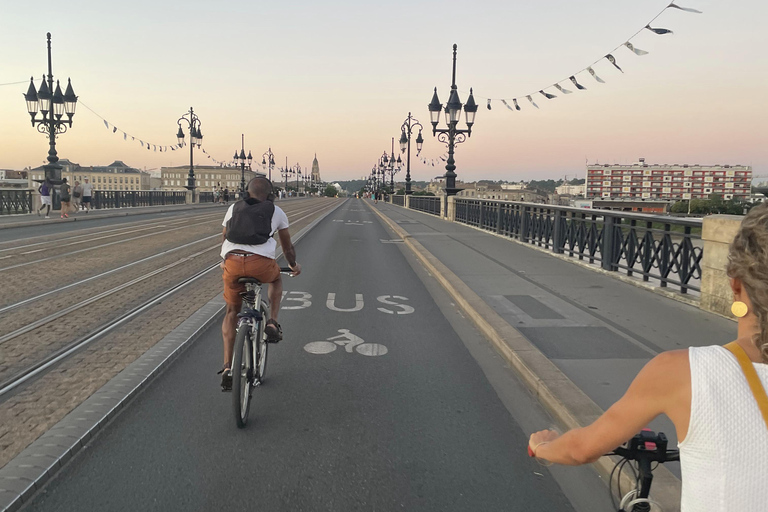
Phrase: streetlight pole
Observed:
(242, 158)
(195, 139)
(452, 135)
(53, 106)
(406, 130)
(298, 176)
(268, 159)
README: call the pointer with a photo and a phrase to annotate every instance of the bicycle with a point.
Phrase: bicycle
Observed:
(249, 360)
(644, 449)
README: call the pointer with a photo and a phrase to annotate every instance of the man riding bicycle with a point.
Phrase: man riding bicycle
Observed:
(248, 250)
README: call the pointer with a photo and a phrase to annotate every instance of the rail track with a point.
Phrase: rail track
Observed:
(19, 365)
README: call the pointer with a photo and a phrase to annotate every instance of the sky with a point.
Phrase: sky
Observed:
(338, 78)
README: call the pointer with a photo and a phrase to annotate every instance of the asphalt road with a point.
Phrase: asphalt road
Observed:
(435, 423)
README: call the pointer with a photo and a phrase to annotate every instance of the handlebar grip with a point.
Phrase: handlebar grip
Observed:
(530, 452)
(287, 270)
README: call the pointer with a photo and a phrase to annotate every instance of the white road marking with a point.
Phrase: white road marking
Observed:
(350, 342)
(36, 250)
(303, 299)
(331, 303)
(405, 308)
(390, 241)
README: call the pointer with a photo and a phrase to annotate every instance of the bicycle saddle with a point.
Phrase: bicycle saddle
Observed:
(246, 280)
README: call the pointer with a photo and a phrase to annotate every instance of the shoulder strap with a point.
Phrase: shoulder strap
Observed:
(754, 381)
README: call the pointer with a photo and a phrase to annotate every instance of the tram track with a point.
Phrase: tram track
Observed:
(21, 371)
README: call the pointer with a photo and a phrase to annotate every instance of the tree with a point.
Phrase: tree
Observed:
(330, 191)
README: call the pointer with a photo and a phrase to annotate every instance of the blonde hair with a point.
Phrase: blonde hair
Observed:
(748, 262)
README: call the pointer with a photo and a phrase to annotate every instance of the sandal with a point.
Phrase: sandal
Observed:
(273, 331)
(226, 378)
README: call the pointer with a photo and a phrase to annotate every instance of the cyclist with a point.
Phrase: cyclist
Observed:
(723, 432)
(248, 250)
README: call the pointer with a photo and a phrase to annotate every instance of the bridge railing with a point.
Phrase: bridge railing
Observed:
(667, 249)
(398, 200)
(15, 201)
(126, 198)
(427, 204)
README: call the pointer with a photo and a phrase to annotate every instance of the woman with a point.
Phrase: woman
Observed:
(723, 434)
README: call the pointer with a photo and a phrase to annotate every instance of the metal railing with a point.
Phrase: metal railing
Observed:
(15, 201)
(126, 198)
(427, 204)
(667, 249)
(205, 197)
(398, 200)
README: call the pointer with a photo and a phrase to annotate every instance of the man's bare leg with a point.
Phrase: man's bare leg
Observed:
(275, 295)
(228, 331)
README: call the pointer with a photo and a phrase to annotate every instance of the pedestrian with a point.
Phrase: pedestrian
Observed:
(226, 195)
(87, 193)
(77, 196)
(65, 196)
(45, 198)
(715, 397)
(216, 194)
(221, 194)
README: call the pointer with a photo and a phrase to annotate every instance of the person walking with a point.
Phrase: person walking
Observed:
(226, 195)
(87, 194)
(65, 196)
(77, 196)
(715, 397)
(45, 198)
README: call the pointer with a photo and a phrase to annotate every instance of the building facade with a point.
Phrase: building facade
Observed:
(206, 178)
(668, 182)
(315, 170)
(115, 176)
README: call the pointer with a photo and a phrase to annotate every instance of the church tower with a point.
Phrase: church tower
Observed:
(315, 170)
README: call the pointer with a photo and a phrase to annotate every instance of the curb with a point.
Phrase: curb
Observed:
(563, 399)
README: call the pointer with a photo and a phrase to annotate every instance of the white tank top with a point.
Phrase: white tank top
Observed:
(724, 457)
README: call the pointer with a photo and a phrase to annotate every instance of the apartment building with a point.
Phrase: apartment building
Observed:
(668, 182)
(206, 177)
(115, 176)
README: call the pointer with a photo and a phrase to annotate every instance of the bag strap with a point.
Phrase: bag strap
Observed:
(752, 379)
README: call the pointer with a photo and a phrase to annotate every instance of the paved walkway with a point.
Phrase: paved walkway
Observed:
(597, 330)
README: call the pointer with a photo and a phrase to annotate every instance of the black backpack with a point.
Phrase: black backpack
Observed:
(251, 222)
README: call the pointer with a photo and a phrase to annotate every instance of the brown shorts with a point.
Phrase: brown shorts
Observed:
(237, 265)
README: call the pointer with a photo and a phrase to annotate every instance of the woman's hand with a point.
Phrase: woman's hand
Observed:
(537, 438)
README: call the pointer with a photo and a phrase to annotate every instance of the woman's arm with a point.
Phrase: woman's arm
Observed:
(661, 387)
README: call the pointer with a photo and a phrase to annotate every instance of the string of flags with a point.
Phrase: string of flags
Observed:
(514, 105)
(149, 145)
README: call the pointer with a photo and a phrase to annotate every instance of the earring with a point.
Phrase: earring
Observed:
(739, 309)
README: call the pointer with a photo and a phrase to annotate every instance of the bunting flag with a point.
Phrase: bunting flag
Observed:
(594, 75)
(150, 147)
(613, 61)
(637, 51)
(577, 84)
(590, 69)
(547, 95)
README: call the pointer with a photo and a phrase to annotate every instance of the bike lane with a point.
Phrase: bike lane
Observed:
(371, 402)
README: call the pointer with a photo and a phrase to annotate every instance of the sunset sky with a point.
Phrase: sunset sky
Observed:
(338, 78)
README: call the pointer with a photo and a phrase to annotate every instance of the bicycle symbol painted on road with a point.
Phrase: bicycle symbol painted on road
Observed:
(349, 341)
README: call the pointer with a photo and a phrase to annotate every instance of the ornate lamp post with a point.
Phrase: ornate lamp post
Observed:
(285, 172)
(452, 135)
(195, 139)
(268, 159)
(298, 177)
(53, 105)
(406, 130)
(241, 158)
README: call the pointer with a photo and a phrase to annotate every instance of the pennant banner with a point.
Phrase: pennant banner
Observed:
(589, 69)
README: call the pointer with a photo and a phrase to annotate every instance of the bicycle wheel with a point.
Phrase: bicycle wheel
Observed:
(242, 374)
(261, 344)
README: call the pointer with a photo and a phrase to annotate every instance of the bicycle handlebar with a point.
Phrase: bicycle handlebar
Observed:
(647, 446)
(286, 270)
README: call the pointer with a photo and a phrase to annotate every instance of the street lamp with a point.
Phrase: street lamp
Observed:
(241, 158)
(53, 105)
(195, 139)
(268, 159)
(406, 130)
(298, 177)
(285, 172)
(452, 135)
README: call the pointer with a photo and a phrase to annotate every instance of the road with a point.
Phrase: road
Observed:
(427, 419)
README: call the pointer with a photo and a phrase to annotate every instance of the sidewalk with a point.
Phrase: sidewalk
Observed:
(32, 219)
(577, 337)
